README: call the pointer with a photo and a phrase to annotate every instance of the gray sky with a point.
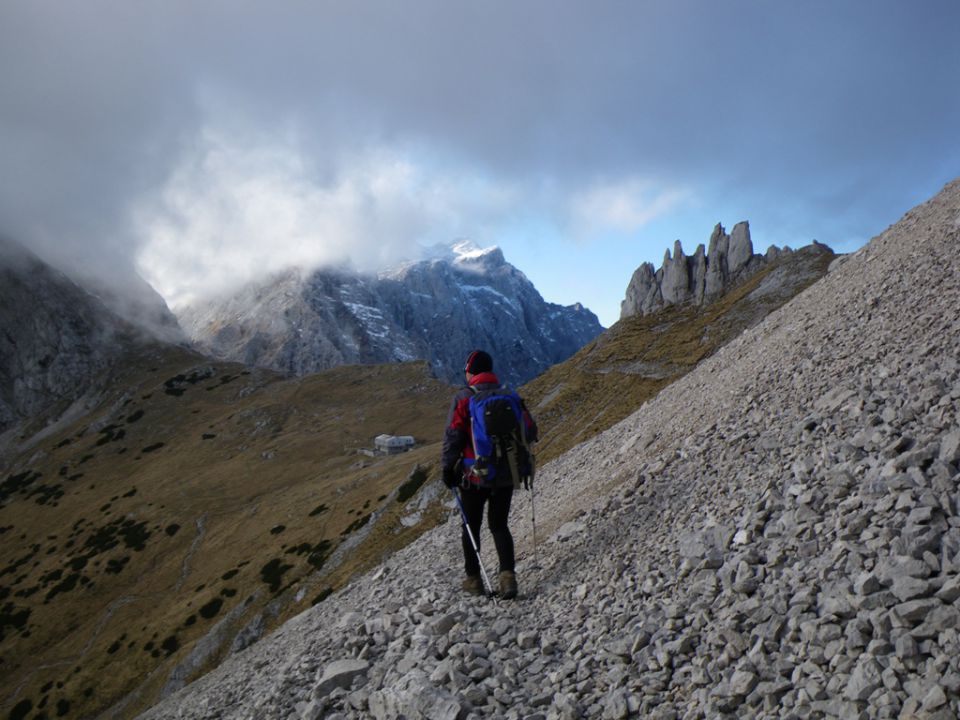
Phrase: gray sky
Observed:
(205, 143)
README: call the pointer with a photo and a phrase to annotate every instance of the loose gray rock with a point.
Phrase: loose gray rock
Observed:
(950, 447)
(615, 706)
(864, 680)
(339, 674)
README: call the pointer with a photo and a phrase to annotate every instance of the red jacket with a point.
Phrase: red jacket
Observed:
(457, 440)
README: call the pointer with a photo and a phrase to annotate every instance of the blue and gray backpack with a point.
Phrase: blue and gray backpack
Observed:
(502, 456)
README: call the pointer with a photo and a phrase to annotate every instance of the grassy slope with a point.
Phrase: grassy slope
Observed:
(192, 503)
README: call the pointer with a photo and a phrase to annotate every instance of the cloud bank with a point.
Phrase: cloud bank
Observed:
(203, 141)
(229, 213)
(236, 209)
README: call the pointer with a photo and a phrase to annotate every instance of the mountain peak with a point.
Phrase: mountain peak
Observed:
(459, 297)
(464, 252)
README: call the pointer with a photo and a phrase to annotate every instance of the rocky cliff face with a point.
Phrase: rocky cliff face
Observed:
(702, 277)
(58, 341)
(436, 309)
(776, 535)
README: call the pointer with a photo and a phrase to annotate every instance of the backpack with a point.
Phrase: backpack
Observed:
(499, 439)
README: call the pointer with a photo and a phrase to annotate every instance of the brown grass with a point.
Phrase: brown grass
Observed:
(187, 510)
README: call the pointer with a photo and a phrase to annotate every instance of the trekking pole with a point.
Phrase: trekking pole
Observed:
(532, 460)
(483, 573)
(533, 520)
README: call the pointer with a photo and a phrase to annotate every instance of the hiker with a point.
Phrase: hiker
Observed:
(459, 470)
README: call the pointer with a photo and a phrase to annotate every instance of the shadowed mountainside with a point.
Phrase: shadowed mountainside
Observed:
(58, 346)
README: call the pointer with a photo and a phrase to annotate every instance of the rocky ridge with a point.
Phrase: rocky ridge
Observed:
(631, 362)
(58, 352)
(436, 309)
(774, 535)
(62, 335)
(704, 276)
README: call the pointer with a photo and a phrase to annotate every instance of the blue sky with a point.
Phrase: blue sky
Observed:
(207, 143)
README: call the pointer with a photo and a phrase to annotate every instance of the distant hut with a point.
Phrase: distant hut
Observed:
(393, 444)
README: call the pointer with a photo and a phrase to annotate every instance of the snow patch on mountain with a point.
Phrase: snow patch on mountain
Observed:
(456, 299)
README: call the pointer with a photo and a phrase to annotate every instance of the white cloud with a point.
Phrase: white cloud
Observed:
(623, 205)
(235, 210)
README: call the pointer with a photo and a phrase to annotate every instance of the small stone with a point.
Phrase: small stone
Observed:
(906, 647)
(620, 647)
(940, 618)
(866, 584)
(951, 682)
(902, 566)
(340, 674)
(950, 591)
(544, 698)
(443, 625)
(934, 698)
(359, 700)
(743, 682)
(640, 641)
(441, 673)
(615, 706)
(312, 710)
(351, 620)
(910, 588)
(528, 640)
(950, 447)
(566, 707)
(920, 516)
(699, 676)
(866, 677)
(567, 531)
(476, 695)
(837, 605)
(890, 680)
(916, 610)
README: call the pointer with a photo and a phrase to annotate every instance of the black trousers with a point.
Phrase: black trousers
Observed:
(498, 509)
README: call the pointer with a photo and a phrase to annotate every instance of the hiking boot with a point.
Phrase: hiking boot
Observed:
(473, 585)
(508, 585)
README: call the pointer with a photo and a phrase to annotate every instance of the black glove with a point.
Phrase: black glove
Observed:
(449, 477)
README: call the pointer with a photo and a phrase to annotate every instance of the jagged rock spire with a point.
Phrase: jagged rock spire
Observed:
(700, 278)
